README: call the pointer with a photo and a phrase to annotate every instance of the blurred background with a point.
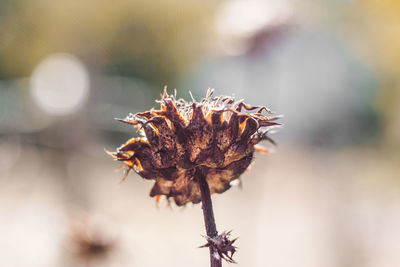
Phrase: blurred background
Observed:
(330, 194)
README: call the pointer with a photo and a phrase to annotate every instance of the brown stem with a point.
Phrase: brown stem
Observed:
(208, 214)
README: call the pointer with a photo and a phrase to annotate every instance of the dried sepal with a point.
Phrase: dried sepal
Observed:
(221, 246)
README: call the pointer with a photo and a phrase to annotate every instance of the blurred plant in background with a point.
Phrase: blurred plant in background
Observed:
(89, 243)
(137, 38)
(382, 26)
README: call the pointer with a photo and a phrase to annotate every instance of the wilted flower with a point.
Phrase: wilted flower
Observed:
(214, 137)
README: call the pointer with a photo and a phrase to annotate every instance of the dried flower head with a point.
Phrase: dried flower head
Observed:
(214, 136)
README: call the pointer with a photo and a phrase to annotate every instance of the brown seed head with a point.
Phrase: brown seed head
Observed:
(217, 135)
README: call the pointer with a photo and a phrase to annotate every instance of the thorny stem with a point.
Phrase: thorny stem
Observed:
(208, 214)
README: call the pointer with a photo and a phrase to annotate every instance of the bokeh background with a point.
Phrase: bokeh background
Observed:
(330, 194)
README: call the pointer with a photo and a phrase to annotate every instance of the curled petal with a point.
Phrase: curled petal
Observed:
(248, 128)
(199, 136)
(219, 179)
(166, 135)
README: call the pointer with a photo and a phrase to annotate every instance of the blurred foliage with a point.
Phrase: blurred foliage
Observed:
(383, 24)
(372, 27)
(153, 40)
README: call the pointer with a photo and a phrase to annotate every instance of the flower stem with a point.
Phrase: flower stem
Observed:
(208, 214)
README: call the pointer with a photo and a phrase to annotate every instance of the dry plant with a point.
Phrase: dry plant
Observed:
(194, 149)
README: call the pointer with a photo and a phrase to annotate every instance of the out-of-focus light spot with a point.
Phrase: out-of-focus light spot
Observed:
(60, 84)
(239, 20)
